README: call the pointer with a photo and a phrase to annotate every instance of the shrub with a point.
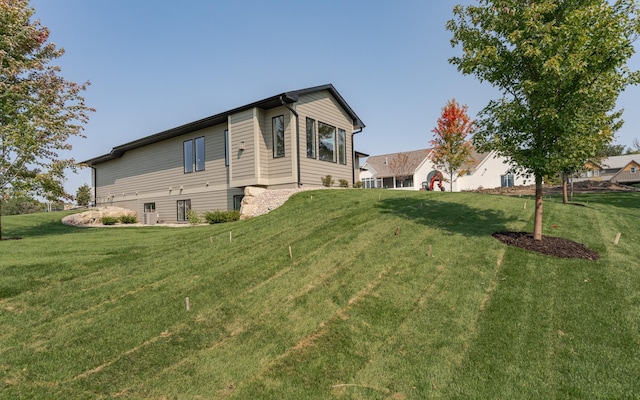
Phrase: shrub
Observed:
(358, 184)
(327, 181)
(193, 217)
(219, 216)
(106, 220)
(344, 183)
(128, 219)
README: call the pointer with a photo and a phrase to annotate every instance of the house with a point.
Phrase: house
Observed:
(406, 170)
(284, 141)
(485, 170)
(618, 169)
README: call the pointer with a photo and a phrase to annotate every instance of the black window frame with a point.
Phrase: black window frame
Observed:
(321, 126)
(311, 138)
(342, 146)
(226, 147)
(187, 159)
(199, 154)
(186, 205)
(278, 151)
(151, 208)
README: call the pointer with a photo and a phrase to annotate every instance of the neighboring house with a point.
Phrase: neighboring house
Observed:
(486, 170)
(382, 171)
(284, 141)
(619, 169)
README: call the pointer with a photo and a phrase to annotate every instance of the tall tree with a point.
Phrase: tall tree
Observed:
(83, 195)
(451, 148)
(560, 66)
(39, 110)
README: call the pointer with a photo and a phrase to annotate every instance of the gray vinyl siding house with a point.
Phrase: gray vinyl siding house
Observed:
(261, 144)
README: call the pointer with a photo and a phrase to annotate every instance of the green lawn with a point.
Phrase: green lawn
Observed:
(358, 312)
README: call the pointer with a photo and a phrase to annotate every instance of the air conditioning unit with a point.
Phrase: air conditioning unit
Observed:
(150, 218)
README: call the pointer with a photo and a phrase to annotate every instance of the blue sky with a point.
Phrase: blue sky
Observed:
(157, 65)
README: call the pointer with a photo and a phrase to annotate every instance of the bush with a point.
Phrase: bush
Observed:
(128, 219)
(109, 220)
(193, 217)
(344, 183)
(219, 216)
(358, 184)
(327, 181)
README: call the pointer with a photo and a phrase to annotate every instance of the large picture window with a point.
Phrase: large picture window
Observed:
(277, 125)
(342, 146)
(311, 138)
(326, 142)
(193, 154)
(184, 206)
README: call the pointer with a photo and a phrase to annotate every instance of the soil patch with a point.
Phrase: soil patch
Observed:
(11, 238)
(549, 245)
(589, 186)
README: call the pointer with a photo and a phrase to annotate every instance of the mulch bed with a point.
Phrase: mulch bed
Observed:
(11, 238)
(549, 245)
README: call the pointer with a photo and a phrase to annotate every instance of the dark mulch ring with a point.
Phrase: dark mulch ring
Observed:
(553, 246)
(11, 238)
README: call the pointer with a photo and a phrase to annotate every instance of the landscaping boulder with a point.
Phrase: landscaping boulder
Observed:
(94, 216)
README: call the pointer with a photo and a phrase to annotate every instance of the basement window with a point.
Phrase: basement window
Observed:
(183, 206)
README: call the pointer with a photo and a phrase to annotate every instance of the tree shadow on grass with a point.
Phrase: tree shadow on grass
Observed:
(449, 216)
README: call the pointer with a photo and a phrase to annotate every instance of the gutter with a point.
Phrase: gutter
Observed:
(353, 158)
(297, 137)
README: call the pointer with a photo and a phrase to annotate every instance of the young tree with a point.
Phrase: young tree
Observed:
(451, 149)
(39, 110)
(401, 167)
(560, 66)
(83, 195)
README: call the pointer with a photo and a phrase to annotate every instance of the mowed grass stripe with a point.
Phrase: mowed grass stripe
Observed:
(359, 312)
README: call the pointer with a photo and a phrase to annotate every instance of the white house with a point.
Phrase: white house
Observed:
(486, 170)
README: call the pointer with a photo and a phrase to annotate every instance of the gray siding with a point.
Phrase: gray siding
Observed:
(155, 174)
(322, 107)
(241, 129)
(280, 167)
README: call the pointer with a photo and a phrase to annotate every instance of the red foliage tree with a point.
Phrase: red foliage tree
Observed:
(451, 149)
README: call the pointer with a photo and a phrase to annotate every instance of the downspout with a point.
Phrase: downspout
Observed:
(297, 138)
(353, 158)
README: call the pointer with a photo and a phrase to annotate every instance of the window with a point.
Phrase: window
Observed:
(199, 153)
(326, 142)
(226, 147)
(632, 170)
(188, 156)
(342, 146)
(184, 206)
(311, 138)
(193, 158)
(149, 207)
(277, 125)
(506, 180)
(237, 201)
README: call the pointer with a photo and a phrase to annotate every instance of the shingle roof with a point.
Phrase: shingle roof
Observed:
(381, 164)
(265, 104)
(617, 162)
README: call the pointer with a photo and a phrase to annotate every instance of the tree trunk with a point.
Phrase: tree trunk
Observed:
(565, 196)
(537, 220)
(0, 216)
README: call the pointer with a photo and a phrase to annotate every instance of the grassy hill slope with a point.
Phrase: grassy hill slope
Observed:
(360, 310)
